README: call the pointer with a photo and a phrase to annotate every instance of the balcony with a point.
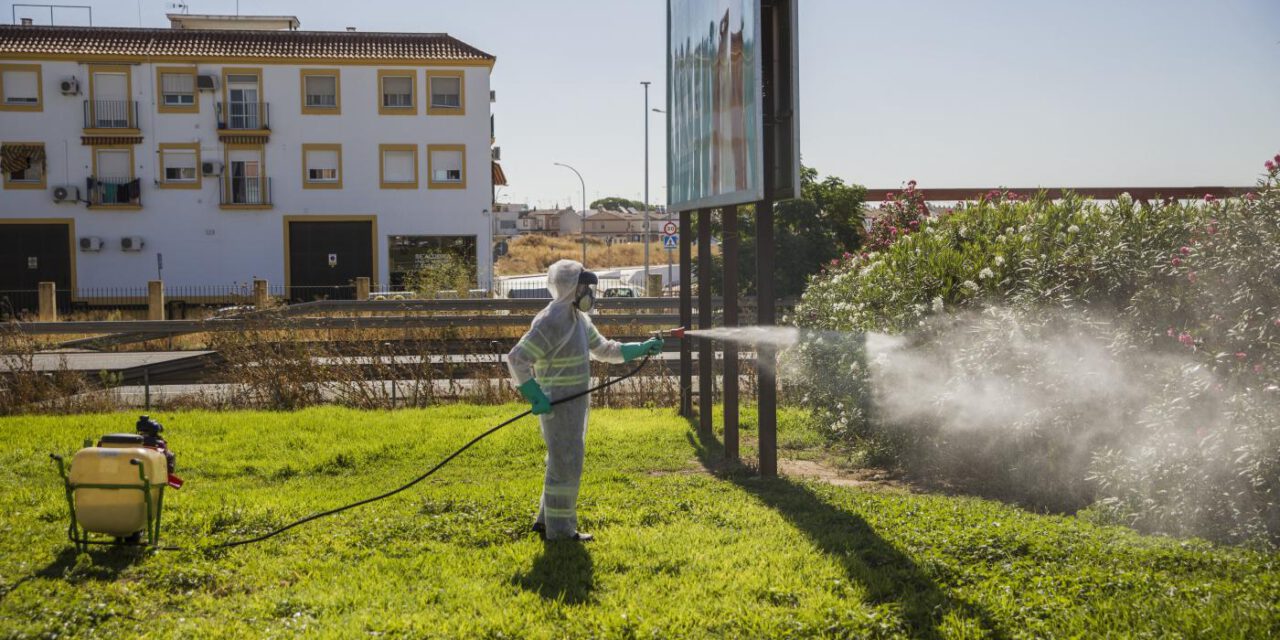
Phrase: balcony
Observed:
(111, 116)
(245, 193)
(119, 193)
(244, 117)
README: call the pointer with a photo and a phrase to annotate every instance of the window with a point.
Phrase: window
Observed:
(244, 181)
(110, 106)
(320, 92)
(321, 166)
(177, 90)
(21, 87)
(446, 94)
(23, 164)
(446, 164)
(112, 183)
(179, 165)
(396, 92)
(398, 166)
(244, 108)
(409, 255)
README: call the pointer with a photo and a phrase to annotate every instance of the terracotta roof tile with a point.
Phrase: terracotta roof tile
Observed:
(200, 43)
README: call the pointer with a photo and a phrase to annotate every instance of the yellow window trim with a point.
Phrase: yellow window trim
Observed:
(161, 107)
(226, 167)
(39, 105)
(303, 74)
(431, 176)
(162, 183)
(44, 175)
(94, 149)
(382, 180)
(127, 70)
(242, 71)
(373, 232)
(460, 110)
(309, 184)
(411, 110)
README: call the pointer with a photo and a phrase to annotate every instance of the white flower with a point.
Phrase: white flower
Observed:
(986, 273)
(970, 285)
(999, 261)
(1000, 238)
(1073, 229)
(937, 304)
(964, 232)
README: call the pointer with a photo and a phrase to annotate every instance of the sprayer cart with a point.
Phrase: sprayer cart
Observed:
(116, 487)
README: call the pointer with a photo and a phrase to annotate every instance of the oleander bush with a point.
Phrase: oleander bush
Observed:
(1064, 353)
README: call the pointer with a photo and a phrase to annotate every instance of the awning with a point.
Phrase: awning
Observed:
(18, 157)
(499, 178)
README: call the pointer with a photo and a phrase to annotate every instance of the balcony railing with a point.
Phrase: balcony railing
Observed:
(246, 191)
(110, 114)
(114, 192)
(244, 116)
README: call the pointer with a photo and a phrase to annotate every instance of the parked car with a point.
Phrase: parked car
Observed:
(530, 294)
(621, 292)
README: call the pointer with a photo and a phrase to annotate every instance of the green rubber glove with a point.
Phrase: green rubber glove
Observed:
(533, 393)
(633, 350)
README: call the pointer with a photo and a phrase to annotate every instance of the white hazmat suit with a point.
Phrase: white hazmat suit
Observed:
(556, 353)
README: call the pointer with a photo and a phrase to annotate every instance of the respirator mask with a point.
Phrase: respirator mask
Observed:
(584, 298)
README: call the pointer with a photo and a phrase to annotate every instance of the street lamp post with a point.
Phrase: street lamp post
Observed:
(584, 210)
(646, 186)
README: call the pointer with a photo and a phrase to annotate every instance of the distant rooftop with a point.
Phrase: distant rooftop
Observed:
(240, 23)
(251, 45)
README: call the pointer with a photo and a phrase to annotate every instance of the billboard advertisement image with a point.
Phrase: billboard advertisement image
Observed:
(714, 101)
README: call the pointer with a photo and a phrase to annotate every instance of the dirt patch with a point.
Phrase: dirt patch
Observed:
(862, 478)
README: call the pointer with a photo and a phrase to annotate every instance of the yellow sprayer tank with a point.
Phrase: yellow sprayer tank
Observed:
(116, 512)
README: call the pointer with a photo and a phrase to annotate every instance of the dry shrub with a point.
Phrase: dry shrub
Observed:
(534, 253)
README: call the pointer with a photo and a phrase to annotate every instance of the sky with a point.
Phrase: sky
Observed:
(977, 93)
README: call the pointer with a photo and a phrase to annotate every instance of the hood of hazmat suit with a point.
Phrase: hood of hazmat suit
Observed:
(556, 351)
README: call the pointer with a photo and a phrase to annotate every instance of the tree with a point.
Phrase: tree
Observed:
(821, 226)
(616, 203)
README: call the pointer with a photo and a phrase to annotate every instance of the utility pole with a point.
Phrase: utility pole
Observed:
(646, 186)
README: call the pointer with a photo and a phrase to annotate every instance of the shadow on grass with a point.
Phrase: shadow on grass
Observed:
(563, 571)
(98, 565)
(889, 575)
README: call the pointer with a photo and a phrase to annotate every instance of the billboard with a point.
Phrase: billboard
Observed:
(715, 131)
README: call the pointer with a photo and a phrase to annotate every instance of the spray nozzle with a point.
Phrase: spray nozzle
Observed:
(677, 332)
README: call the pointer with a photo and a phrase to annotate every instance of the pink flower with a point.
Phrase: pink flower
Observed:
(1184, 250)
(1209, 197)
(847, 255)
(1258, 368)
(1186, 339)
(1240, 355)
(1176, 261)
(1251, 196)
(1169, 332)
(893, 230)
(1270, 165)
(911, 185)
(1277, 159)
(914, 223)
(1191, 277)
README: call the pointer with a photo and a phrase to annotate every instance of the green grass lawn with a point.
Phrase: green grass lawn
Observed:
(680, 552)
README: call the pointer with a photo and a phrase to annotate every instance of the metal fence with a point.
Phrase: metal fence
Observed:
(245, 190)
(244, 116)
(110, 114)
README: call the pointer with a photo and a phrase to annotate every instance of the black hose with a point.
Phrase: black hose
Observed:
(316, 516)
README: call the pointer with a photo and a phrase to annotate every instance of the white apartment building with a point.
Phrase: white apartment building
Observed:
(307, 158)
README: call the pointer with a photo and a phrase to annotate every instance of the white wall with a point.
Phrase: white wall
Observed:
(205, 245)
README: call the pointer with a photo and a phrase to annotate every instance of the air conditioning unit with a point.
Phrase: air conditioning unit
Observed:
(70, 86)
(66, 193)
(211, 168)
(91, 243)
(207, 83)
(131, 243)
(497, 153)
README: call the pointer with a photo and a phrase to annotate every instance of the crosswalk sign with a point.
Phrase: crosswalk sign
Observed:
(671, 243)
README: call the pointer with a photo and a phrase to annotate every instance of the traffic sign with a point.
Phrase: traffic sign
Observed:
(670, 242)
(669, 228)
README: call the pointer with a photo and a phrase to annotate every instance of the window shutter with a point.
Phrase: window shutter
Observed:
(397, 166)
(446, 92)
(399, 86)
(321, 91)
(113, 163)
(21, 86)
(177, 83)
(446, 166)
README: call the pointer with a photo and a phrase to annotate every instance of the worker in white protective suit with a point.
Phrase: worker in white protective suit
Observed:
(552, 362)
